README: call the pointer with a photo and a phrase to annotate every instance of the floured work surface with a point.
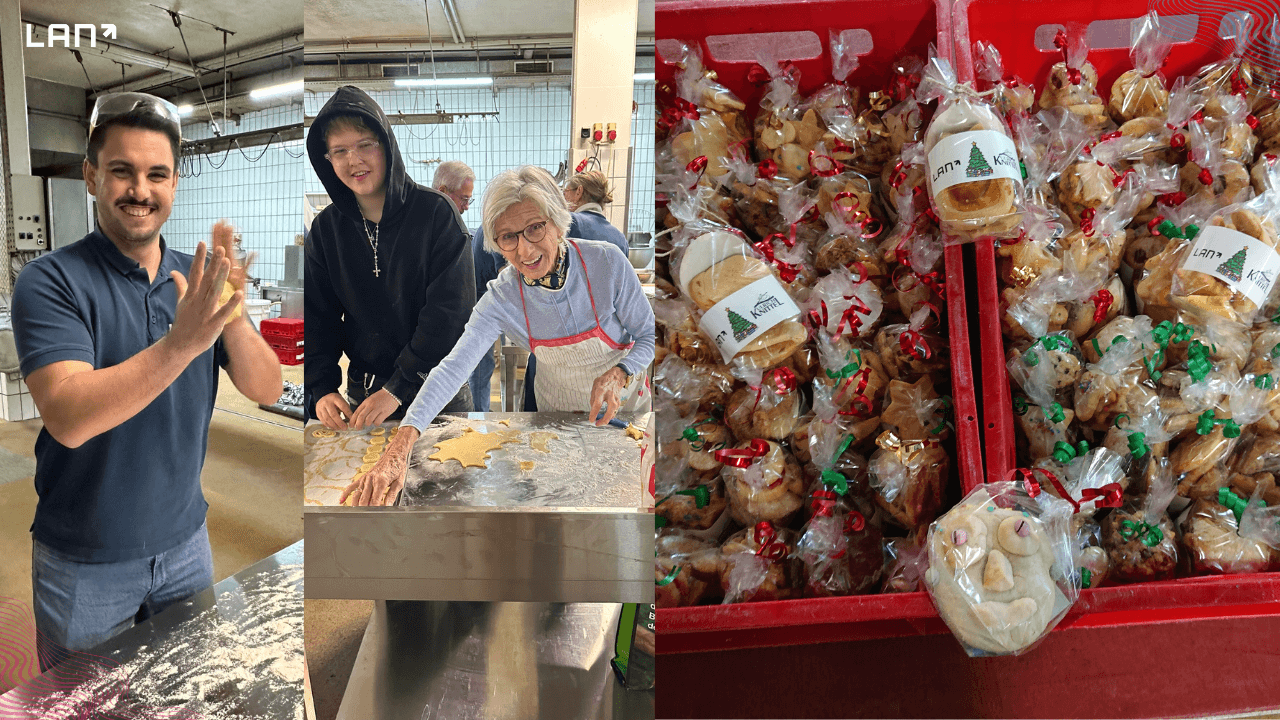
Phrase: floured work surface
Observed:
(551, 460)
(231, 651)
(333, 457)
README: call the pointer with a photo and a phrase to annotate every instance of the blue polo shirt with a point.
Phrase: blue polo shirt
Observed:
(134, 491)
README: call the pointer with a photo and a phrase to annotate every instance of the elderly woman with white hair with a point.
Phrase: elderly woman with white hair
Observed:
(576, 304)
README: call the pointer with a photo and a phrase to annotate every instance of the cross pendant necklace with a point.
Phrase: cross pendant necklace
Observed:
(373, 242)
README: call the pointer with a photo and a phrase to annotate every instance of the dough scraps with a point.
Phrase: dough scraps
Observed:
(471, 449)
(323, 432)
(526, 464)
(506, 422)
(635, 432)
(539, 438)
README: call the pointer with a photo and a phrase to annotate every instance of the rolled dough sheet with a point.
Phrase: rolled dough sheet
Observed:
(471, 449)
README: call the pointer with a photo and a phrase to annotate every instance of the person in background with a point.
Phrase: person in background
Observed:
(576, 304)
(389, 281)
(120, 339)
(585, 194)
(457, 182)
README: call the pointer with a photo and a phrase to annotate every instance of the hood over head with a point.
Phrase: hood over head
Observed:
(351, 100)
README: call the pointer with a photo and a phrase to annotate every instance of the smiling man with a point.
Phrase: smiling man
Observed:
(389, 277)
(120, 338)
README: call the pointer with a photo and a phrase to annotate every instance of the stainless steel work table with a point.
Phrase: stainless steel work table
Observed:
(232, 650)
(490, 661)
(576, 526)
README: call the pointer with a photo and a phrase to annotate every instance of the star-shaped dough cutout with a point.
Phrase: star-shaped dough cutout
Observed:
(471, 449)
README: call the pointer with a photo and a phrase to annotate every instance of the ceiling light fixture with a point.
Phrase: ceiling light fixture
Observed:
(290, 88)
(444, 82)
(185, 110)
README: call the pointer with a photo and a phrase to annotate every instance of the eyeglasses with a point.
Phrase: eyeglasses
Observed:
(532, 234)
(364, 148)
(109, 107)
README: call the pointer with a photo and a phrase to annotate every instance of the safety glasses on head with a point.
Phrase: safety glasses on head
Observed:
(115, 105)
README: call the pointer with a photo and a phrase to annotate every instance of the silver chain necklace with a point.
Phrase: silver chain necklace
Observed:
(373, 241)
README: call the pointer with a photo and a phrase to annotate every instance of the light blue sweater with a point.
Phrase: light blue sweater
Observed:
(625, 316)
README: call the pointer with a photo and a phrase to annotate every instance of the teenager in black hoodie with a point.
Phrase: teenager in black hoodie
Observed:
(389, 277)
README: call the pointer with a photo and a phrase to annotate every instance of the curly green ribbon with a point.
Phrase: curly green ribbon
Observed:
(1020, 405)
(692, 435)
(835, 482)
(1149, 534)
(1151, 363)
(1138, 444)
(1275, 351)
(670, 578)
(1166, 332)
(1098, 348)
(1050, 343)
(1169, 230)
(848, 370)
(1206, 421)
(1198, 363)
(1054, 413)
(1064, 452)
(1232, 502)
(1030, 358)
(1086, 578)
(1264, 382)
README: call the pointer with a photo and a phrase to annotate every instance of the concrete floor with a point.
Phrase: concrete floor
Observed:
(252, 480)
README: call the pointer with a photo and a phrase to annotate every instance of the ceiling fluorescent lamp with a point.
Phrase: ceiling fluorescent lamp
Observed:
(644, 77)
(185, 110)
(444, 82)
(289, 88)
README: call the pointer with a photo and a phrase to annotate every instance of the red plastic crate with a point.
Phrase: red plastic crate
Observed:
(288, 356)
(287, 328)
(896, 28)
(1190, 609)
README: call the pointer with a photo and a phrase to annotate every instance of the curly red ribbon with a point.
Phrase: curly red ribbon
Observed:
(1108, 495)
(915, 345)
(1173, 199)
(824, 503)
(1086, 220)
(1205, 177)
(1153, 225)
(1060, 42)
(742, 457)
(1102, 304)
(1033, 486)
(770, 547)
(832, 166)
(787, 271)
(767, 169)
(697, 165)
(855, 522)
(851, 215)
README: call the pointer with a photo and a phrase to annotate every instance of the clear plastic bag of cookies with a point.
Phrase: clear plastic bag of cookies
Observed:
(1215, 542)
(908, 471)
(850, 390)
(1047, 369)
(1047, 143)
(845, 303)
(974, 179)
(1001, 568)
(1139, 537)
(1092, 563)
(705, 119)
(769, 405)
(1012, 96)
(1229, 268)
(905, 560)
(915, 348)
(1142, 91)
(1073, 84)
(746, 312)
(758, 563)
(690, 499)
(785, 131)
(763, 481)
(686, 570)
(840, 545)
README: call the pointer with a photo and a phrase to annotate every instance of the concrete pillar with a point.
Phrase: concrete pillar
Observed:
(15, 154)
(604, 62)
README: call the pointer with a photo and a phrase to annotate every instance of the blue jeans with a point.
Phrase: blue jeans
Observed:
(81, 605)
(482, 383)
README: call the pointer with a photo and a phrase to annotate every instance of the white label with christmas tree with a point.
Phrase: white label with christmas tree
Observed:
(972, 156)
(746, 315)
(1246, 264)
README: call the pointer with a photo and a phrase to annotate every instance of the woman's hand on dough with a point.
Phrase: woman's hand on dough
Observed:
(333, 411)
(604, 391)
(381, 484)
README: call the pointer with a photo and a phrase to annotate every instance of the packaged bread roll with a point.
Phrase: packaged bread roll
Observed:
(974, 178)
(745, 310)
